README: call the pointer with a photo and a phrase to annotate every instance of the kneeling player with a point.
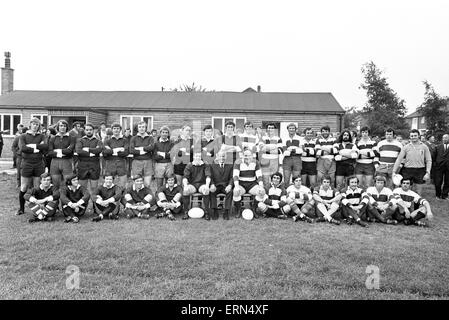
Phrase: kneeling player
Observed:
(138, 199)
(274, 203)
(354, 202)
(410, 206)
(300, 200)
(196, 179)
(381, 205)
(74, 199)
(43, 200)
(106, 200)
(327, 201)
(169, 199)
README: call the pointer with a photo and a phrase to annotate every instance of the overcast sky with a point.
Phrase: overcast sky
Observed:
(288, 46)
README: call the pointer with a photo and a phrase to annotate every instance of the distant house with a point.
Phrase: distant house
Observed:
(417, 121)
(170, 108)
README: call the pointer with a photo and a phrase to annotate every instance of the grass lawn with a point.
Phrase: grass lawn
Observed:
(235, 259)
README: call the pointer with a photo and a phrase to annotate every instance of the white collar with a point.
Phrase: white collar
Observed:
(143, 136)
(63, 135)
(174, 186)
(200, 163)
(40, 186)
(104, 186)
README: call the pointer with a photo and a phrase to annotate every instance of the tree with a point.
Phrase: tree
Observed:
(352, 118)
(384, 108)
(434, 110)
(190, 88)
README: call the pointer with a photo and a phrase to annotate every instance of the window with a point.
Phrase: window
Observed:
(131, 121)
(423, 120)
(9, 123)
(44, 118)
(219, 123)
(414, 123)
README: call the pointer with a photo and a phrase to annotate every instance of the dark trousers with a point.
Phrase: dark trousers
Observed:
(69, 212)
(105, 211)
(441, 177)
(228, 198)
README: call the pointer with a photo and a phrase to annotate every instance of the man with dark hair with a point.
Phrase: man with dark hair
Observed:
(327, 201)
(163, 167)
(141, 146)
(115, 151)
(88, 149)
(230, 143)
(292, 152)
(386, 153)
(354, 202)
(382, 203)
(441, 176)
(270, 150)
(364, 167)
(300, 200)
(43, 200)
(411, 207)
(169, 199)
(325, 153)
(33, 145)
(273, 202)
(309, 168)
(74, 199)
(60, 150)
(208, 145)
(249, 138)
(182, 152)
(138, 199)
(347, 152)
(417, 161)
(106, 199)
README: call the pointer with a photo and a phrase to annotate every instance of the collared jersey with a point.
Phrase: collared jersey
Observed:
(247, 172)
(327, 145)
(409, 197)
(366, 151)
(387, 152)
(354, 197)
(328, 194)
(309, 147)
(300, 195)
(383, 197)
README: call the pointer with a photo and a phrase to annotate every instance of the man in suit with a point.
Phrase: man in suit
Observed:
(441, 156)
(221, 182)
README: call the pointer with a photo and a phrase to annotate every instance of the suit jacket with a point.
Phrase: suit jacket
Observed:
(441, 156)
(221, 176)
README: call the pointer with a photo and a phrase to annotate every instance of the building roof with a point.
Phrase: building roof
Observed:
(414, 115)
(174, 101)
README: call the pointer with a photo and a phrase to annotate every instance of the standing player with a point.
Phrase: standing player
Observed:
(208, 144)
(32, 147)
(292, 151)
(230, 143)
(221, 182)
(364, 167)
(141, 146)
(309, 169)
(74, 199)
(411, 208)
(196, 179)
(325, 152)
(88, 149)
(249, 138)
(354, 202)
(247, 177)
(43, 200)
(300, 200)
(60, 150)
(327, 201)
(345, 158)
(115, 151)
(387, 151)
(270, 150)
(169, 199)
(163, 167)
(182, 152)
(418, 161)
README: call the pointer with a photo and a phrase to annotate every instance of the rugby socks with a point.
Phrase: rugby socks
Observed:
(22, 200)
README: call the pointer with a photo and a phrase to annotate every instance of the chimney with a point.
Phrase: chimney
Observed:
(7, 75)
(258, 88)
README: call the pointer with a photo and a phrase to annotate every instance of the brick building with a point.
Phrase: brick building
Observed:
(170, 108)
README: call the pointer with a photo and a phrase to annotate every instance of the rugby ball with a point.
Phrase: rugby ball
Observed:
(397, 179)
(247, 214)
(196, 213)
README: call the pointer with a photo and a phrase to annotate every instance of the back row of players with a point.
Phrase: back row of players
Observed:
(231, 164)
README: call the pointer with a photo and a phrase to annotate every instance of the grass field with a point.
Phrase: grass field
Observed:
(235, 259)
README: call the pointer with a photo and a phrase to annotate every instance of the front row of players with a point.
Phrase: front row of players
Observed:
(324, 204)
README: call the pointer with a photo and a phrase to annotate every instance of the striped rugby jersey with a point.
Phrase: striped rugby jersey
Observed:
(296, 144)
(273, 154)
(346, 146)
(310, 150)
(327, 145)
(328, 194)
(383, 198)
(247, 172)
(301, 195)
(387, 152)
(354, 197)
(275, 194)
(366, 146)
(409, 197)
(249, 141)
